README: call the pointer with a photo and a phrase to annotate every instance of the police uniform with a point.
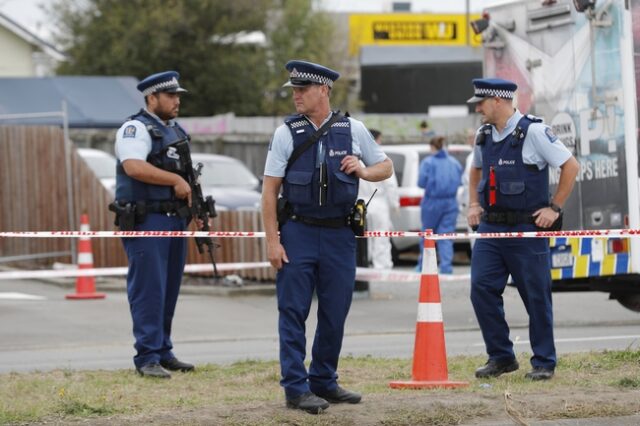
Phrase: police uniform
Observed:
(319, 244)
(514, 184)
(155, 264)
(440, 175)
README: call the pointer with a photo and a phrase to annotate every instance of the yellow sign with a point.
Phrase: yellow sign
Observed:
(410, 29)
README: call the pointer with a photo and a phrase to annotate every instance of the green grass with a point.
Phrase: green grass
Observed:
(248, 392)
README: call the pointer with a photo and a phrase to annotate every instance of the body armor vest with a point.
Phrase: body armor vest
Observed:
(518, 187)
(131, 190)
(301, 186)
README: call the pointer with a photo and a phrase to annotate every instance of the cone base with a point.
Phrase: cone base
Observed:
(419, 384)
(78, 296)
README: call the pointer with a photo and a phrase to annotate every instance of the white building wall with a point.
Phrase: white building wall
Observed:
(17, 56)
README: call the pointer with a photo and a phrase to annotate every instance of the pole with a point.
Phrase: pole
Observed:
(468, 19)
(70, 193)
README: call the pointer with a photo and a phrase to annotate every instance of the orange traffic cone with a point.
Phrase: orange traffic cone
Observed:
(429, 354)
(85, 286)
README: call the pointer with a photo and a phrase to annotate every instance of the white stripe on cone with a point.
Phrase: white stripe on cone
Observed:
(429, 261)
(429, 312)
(85, 259)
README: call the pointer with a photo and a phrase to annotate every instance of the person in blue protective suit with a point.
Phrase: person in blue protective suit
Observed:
(151, 194)
(440, 175)
(315, 250)
(509, 192)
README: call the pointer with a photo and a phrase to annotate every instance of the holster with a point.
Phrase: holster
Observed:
(128, 214)
(283, 211)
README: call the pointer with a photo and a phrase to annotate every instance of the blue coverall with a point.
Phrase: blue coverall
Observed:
(440, 175)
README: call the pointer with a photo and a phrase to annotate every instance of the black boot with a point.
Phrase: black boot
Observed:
(308, 402)
(339, 395)
(174, 364)
(495, 368)
(153, 370)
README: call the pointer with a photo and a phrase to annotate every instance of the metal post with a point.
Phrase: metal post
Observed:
(468, 18)
(70, 193)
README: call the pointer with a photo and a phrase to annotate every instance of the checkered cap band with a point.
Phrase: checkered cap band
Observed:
(487, 93)
(169, 84)
(341, 124)
(307, 76)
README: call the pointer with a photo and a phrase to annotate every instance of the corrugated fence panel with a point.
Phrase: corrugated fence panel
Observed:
(33, 197)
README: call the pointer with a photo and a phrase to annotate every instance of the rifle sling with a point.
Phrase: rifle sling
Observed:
(297, 152)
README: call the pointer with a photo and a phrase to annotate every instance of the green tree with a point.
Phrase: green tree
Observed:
(195, 37)
(297, 32)
(139, 37)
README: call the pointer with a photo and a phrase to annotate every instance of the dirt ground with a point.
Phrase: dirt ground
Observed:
(443, 407)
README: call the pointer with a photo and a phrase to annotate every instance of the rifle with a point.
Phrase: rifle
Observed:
(202, 207)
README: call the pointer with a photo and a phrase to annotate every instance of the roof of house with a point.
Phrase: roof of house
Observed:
(91, 101)
(30, 37)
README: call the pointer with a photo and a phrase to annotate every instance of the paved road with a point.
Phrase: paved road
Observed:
(52, 332)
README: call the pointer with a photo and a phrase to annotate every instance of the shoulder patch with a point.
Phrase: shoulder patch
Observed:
(552, 136)
(129, 131)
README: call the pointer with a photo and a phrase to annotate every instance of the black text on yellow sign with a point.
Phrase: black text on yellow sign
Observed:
(411, 29)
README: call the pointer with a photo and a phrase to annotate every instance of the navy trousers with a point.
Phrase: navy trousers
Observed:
(528, 262)
(320, 259)
(156, 266)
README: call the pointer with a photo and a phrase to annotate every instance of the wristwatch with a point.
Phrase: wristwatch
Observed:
(556, 208)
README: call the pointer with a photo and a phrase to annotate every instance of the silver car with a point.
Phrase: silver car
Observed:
(229, 181)
(103, 166)
(231, 184)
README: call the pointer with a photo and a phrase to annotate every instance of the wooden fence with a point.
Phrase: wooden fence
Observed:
(34, 197)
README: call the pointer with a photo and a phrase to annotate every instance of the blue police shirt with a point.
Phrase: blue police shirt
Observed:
(540, 147)
(281, 147)
(133, 141)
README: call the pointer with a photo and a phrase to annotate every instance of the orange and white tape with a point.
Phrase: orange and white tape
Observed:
(623, 233)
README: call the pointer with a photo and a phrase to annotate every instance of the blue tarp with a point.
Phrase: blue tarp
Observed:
(92, 102)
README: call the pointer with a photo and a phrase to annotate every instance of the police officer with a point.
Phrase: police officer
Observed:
(316, 248)
(509, 192)
(440, 175)
(152, 195)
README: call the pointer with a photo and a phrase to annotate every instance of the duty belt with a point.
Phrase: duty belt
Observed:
(508, 217)
(164, 207)
(327, 222)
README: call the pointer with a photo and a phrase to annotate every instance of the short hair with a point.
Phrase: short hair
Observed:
(375, 133)
(437, 142)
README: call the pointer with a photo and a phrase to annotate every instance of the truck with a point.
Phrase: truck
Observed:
(577, 65)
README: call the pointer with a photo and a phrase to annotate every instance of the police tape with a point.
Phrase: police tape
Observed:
(622, 233)
(104, 272)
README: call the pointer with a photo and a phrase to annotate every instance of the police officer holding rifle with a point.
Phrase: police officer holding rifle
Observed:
(157, 189)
